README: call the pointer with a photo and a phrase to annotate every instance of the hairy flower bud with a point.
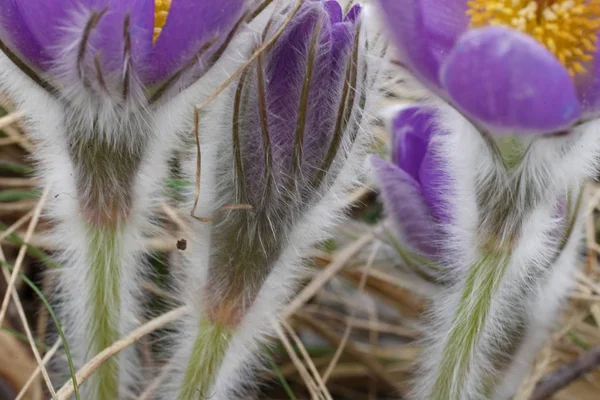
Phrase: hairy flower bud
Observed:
(295, 117)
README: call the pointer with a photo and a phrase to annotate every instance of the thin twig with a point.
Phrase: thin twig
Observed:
(154, 384)
(308, 380)
(567, 373)
(10, 119)
(15, 296)
(37, 370)
(311, 365)
(15, 226)
(332, 269)
(22, 252)
(374, 367)
(348, 330)
(84, 373)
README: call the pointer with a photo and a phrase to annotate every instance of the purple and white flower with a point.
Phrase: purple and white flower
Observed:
(525, 67)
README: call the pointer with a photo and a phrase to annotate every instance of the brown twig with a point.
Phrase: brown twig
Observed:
(372, 364)
(567, 373)
(67, 390)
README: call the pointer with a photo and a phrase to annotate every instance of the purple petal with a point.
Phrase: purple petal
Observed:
(286, 68)
(353, 13)
(55, 28)
(190, 25)
(425, 32)
(334, 9)
(46, 22)
(411, 132)
(404, 203)
(435, 185)
(108, 39)
(15, 33)
(509, 82)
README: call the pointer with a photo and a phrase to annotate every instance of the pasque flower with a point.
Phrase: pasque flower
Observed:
(118, 47)
(289, 142)
(107, 88)
(525, 66)
(502, 238)
(414, 182)
(285, 147)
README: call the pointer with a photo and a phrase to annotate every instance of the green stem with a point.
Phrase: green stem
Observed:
(468, 325)
(207, 356)
(104, 303)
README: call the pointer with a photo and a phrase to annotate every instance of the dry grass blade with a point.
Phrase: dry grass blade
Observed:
(147, 393)
(329, 272)
(36, 372)
(10, 119)
(84, 373)
(308, 380)
(14, 134)
(309, 362)
(15, 226)
(348, 330)
(374, 367)
(21, 256)
(30, 339)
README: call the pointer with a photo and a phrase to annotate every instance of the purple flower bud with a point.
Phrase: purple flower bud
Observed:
(299, 87)
(296, 116)
(111, 45)
(414, 183)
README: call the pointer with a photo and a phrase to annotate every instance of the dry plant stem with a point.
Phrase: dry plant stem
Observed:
(346, 335)
(311, 365)
(37, 370)
(15, 226)
(567, 373)
(146, 395)
(10, 140)
(22, 252)
(329, 272)
(308, 380)
(88, 369)
(10, 119)
(371, 363)
(18, 182)
(21, 140)
(30, 338)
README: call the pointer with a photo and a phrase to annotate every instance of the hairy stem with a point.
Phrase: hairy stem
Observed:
(468, 326)
(104, 277)
(207, 355)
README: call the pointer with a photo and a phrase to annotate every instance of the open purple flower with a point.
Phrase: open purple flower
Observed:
(513, 66)
(118, 46)
(413, 183)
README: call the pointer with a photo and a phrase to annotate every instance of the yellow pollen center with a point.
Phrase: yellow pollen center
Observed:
(568, 28)
(161, 11)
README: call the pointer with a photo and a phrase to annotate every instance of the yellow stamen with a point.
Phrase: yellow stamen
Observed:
(161, 11)
(568, 28)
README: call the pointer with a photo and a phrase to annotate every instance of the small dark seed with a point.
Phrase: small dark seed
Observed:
(182, 244)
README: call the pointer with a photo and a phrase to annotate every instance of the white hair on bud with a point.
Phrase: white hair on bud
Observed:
(245, 352)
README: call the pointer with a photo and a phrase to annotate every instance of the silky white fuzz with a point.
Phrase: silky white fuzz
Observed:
(505, 257)
(53, 126)
(249, 336)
